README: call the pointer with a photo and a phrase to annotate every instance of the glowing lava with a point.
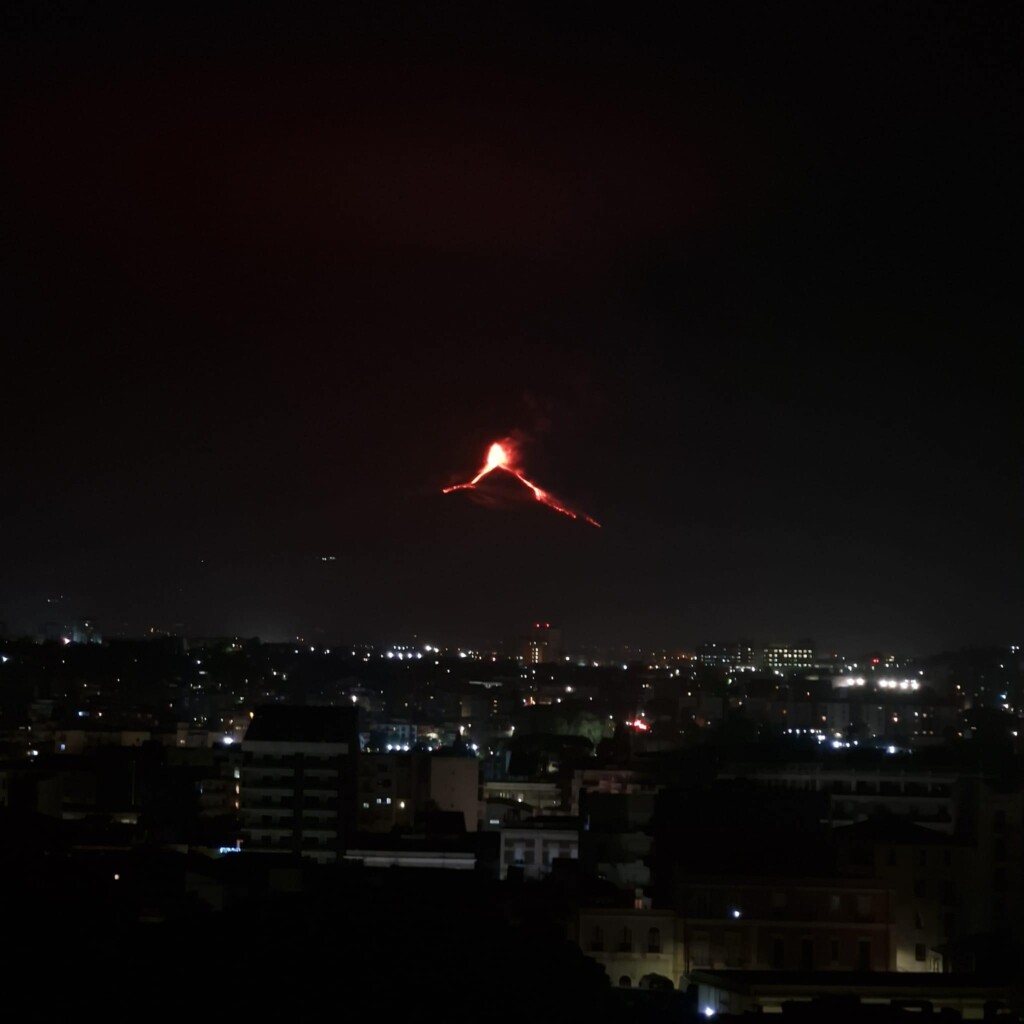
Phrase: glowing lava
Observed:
(497, 458)
(500, 456)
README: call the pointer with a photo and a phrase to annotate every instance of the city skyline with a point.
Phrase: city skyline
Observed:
(518, 642)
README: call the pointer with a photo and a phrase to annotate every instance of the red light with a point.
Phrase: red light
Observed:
(874, 661)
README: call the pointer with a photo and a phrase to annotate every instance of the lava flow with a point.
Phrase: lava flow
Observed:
(501, 456)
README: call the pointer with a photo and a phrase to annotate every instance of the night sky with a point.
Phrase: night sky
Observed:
(743, 282)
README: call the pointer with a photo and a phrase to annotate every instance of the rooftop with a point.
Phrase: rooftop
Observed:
(290, 723)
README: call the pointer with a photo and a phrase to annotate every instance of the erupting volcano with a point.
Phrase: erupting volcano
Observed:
(501, 455)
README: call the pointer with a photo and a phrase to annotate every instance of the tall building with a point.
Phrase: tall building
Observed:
(396, 790)
(543, 643)
(299, 776)
(787, 656)
(727, 655)
(918, 866)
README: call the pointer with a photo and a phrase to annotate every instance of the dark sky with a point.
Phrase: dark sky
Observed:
(745, 283)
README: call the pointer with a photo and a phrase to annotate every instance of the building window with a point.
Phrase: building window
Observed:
(918, 920)
(864, 955)
(626, 941)
(920, 954)
(778, 953)
(597, 940)
(920, 888)
(863, 906)
(778, 900)
(653, 940)
(807, 954)
(835, 951)
(700, 949)
(834, 902)
(624, 982)
(733, 949)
